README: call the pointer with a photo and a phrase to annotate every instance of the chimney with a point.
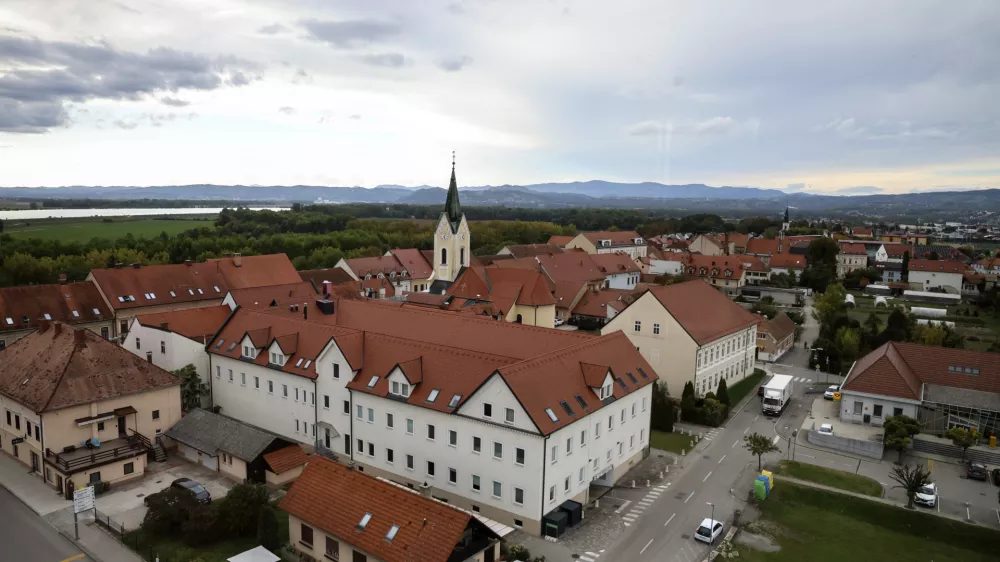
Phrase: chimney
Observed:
(305, 311)
(164, 325)
(57, 326)
(425, 491)
(238, 259)
(149, 356)
(80, 337)
(62, 278)
(43, 325)
(327, 288)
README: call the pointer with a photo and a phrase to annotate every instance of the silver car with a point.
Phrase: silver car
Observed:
(927, 496)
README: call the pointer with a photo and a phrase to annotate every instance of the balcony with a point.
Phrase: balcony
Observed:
(109, 451)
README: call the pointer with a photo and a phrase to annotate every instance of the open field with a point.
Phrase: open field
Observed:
(830, 477)
(821, 526)
(83, 230)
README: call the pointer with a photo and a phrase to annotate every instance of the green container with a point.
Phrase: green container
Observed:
(759, 490)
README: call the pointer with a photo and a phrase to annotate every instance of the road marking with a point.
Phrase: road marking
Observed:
(722, 459)
(806, 456)
(594, 554)
(967, 514)
(746, 430)
(645, 547)
(645, 503)
(776, 439)
(706, 477)
(74, 557)
(624, 505)
(674, 515)
(689, 497)
(735, 444)
(586, 559)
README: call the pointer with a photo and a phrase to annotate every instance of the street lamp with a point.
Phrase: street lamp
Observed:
(818, 349)
(713, 516)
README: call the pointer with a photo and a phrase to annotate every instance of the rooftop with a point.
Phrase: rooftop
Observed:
(617, 238)
(853, 249)
(560, 241)
(23, 307)
(193, 323)
(616, 262)
(213, 433)
(703, 312)
(529, 250)
(938, 266)
(779, 327)
(271, 295)
(413, 261)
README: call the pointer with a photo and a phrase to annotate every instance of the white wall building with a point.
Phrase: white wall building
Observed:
(925, 275)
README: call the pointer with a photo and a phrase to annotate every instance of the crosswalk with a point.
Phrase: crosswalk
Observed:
(802, 379)
(647, 501)
(712, 434)
(590, 556)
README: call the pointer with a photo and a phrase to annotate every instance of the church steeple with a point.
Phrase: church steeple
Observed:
(453, 177)
(451, 206)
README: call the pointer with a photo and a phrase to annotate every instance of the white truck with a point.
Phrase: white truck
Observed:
(777, 395)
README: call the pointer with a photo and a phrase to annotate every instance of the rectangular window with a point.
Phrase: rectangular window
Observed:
(656, 329)
(555, 452)
(296, 426)
(597, 431)
(642, 436)
(508, 415)
(430, 432)
(633, 410)
(256, 383)
(452, 438)
(897, 411)
(129, 467)
(284, 391)
(361, 446)
(347, 407)
(477, 444)
(371, 449)
(409, 426)
(243, 379)
(389, 456)
(371, 415)
(360, 412)
(582, 471)
(877, 411)
(409, 462)
(611, 422)
(156, 414)
(430, 468)
(621, 448)
(644, 404)
(218, 372)
(487, 410)
(631, 442)
(452, 476)
(475, 483)
(569, 446)
(230, 375)
(552, 493)
(519, 456)
(497, 450)
(270, 387)
(297, 396)
(858, 405)
(137, 346)
(389, 421)
(326, 401)
(638, 326)
(583, 437)
(163, 347)
(336, 371)
(566, 484)
(332, 549)
(497, 489)
(307, 535)
(518, 496)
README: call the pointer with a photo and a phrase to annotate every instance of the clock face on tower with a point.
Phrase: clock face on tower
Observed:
(463, 236)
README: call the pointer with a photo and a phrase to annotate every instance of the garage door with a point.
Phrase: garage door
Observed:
(189, 453)
(210, 462)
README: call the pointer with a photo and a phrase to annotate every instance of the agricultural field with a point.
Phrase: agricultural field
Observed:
(83, 230)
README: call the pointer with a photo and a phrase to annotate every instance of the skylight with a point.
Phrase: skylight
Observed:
(10, 320)
(200, 292)
(432, 396)
(97, 312)
(643, 374)
(173, 294)
(631, 377)
(299, 362)
(566, 407)
(191, 292)
(621, 383)
(551, 414)
(47, 316)
(121, 299)
(392, 532)
(308, 362)
(582, 402)
(75, 314)
(216, 287)
(231, 347)
(373, 382)
(152, 296)
(454, 400)
(221, 341)
(364, 520)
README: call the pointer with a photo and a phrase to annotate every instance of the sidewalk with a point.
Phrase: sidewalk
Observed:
(58, 512)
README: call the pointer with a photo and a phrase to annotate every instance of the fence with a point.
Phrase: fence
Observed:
(135, 542)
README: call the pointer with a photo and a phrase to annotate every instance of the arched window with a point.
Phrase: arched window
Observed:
(444, 256)
(461, 256)
(518, 319)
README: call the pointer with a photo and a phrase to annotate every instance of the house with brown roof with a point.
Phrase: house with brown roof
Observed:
(412, 260)
(930, 275)
(720, 244)
(726, 273)
(78, 409)
(79, 304)
(862, 232)
(379, 521)
(330, 277)
(851, 257)
(763, 248)
(892, 253)
(775, 337)
(141, 289)
(516, 294)
(690, 332)
(530, 250)
(559, 240)
(600, 307)
(941, 387)
(607, 242)
(468, 409)
(620, 270)
(787, 263)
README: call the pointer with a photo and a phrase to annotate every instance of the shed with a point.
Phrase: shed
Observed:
(256, 554)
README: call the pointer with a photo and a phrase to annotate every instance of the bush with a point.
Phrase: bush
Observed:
(267, 529)
(518, 552)
(238, 512)
(202, 526)
(168, 511)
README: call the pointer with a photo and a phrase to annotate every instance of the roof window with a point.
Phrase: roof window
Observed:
(200, 292)
(231, 347)
(121, 299)
(10, 321)
(308, 362)
(566, 407)
(621, 383)
(221, 341)
(173, 294)
(364, 521)
(455, 399)
(433, 396)
(75, 314)
(643, 374)
(299, 362)
(551, 414)
(130, 298)
(582, 402)
(631, 377)
(373, 382)
(97, 312)
(392, 533)
(47, 316)
(216, 287)
(191, 292)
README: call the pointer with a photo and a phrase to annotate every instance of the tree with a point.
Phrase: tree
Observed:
(906, 265)
(267, 529)
(202, 527)
(759, 445)
(238, 513)
(961, 437)
(688, 402)
(168, 511)
(192, 389)
(722, 393)
(872, 324)
(898, 430)
(822, 251)
(830, 304)
(911, 479)
(848, 342)
(662, 416)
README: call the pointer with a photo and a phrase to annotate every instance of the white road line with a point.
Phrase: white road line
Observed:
(735, 444)
(722, 459)
(594, 554)
(746, 430)
(755, 417)
(586, 559)
(689, 497)
(627, 524)
(624, 505)
(675, 515)
(645, 547)
(706, 477)
(806, 456)
(776, 439)
(938, 504)
(645, 503)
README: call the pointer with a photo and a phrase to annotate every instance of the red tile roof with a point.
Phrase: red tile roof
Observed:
(335, 275)
(272, 295)
(529, 250)
(853, 249)
(779, 327)
(59, 302)
(617, 238)
(57, 367)
(192, 323)
(560, 241)
(896, 250)
(861, 231)
(703, 312)
(787, 261)
(414, 262)
(566, 293)
(595, 303)
(938, 266)
(334, 498)
(617, 262)
(286, 459)
(373, 266)
(715, 267)
(762, 246)
(151, 285)
(504, 286)
(899, 369)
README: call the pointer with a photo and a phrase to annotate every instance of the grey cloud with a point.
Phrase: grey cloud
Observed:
(287, 110)
(795, 187)
(44, 76)
(388, 60)
(350, 33)
(647, 128)
(715, 126)
(455, 8)
(126, 125)
(272, 29)
(860, 190)
(174, 102)
(454, 64)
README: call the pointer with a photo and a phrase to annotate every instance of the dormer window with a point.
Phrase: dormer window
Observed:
(400, 389)
(277, 358)
(249, 351)
(607, 391)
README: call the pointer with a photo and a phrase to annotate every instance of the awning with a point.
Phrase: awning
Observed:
(125, 411)
(94, 419)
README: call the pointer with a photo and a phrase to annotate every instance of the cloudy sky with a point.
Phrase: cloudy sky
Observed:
(848, 96)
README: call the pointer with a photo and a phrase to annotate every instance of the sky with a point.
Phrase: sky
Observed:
(849, 97)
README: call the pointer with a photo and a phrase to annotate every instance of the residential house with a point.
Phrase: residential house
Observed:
(852, 257)
(143, 289)
(333, 276)
(620, 271)
(600, 307)
(891, 272)
(376, 520)
(79, 409)
(892, 253)
(235, 449)
(412, 260)
(989, 266)
(690, 332)
(775, 337)
(419, 396)
(929, 275)
(23, 308)
(904, 238)
(720, 244)
(862, 232)
(941, 387)
(530, 250)
(559, 240)
(278, 295)
(727, 273)
(763, 248)
(787, 263)
(608, 242)
(938, 252)
(378, 274)
(658, 262)
(517, 295)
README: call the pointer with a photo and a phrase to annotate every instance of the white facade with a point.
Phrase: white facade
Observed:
(170, 351)
(926, 280)
(873, 409)
(665, 267)
(621, 280)
(400, 282)
(452, 250)
(882, 256)
(636, 251)
(730, 357)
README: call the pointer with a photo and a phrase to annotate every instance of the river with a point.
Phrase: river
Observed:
(36, 214)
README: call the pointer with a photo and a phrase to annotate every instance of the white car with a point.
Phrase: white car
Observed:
(830, 390)
(826, 429)
(708, 531)
(927, 496)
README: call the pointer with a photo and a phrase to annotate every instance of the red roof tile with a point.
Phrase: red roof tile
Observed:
(938, 266)
(429, 530)
(373, 266)
(529, 250)
(59, 302)
(617, 238)
(192, 323)
(272, 295)
(896, 250)
(787, 261)
(335, 275)
(762, 246)
(286, 459)
(560, 241)
(853, 249)
(703, 312)
(899, 369)
(617, 262)
(779, 327)
(595, 303)
(414, 262)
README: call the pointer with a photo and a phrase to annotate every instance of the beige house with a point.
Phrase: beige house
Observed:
(78, 304)
(375, 520)
(608, 242)
(516, 295)
(775, 337)
(78, 409)
(852, 257)
(719, 244)
(690, 332)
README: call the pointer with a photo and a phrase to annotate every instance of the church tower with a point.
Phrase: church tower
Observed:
(451, 239)
(786, 223)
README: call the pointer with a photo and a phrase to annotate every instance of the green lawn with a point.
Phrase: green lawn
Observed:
(830, 477)
(174, 550)
(821, 526)
(744, 387)
(83, 230)
(673, 442)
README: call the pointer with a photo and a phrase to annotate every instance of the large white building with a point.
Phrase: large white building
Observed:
(690, 332)
(507, 420)
(928, 275)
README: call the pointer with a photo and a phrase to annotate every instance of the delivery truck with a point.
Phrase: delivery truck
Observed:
(777, 395)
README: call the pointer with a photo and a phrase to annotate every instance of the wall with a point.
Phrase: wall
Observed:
(581, 242)
(232, 467)
(870, 449)
(702, 245)
(952, 282)
(178, 351)
(622, 280)
(334, 389)
(869, 402)
(318, 549)
(283, 478)
(665, 267)
(733, 360)
(21, 417)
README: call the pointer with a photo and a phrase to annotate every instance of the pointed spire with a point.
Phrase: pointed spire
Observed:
(786, 206)
(451, 206)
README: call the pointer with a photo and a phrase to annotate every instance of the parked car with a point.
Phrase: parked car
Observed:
(192, 486)
(996, 476)
(977, 471)
(826, 429)
(927, 496)
(830, 391)
(708, 531)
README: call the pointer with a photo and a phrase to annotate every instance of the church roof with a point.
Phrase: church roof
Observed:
(451, 206)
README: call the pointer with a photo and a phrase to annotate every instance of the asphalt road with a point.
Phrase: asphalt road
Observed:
(25, 537)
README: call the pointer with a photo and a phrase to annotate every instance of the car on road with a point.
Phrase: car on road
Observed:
(826, 429)
(927, 496)
(977, 471)
(830, 391)
(192, 486)
(996, 476)
(708, 531)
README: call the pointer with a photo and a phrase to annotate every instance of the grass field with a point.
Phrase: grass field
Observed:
(830, 477)
(673, 442)
(82, 230)
(744, 387)
(821, 526)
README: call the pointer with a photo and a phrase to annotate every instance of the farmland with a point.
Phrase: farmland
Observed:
(83, 230)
